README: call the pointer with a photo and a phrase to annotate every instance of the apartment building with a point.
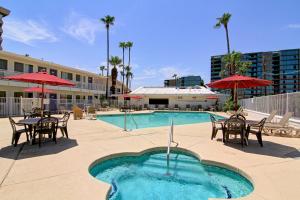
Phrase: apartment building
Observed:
(88, 85)
(281, 67)
(185, 81)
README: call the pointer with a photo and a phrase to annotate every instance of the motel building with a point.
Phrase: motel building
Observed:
(191, 98)
(89, 87)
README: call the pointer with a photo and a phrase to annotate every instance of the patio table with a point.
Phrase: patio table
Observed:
(249, 123)
(30, 122)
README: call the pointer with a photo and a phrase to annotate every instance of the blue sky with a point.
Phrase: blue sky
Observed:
(169, 36)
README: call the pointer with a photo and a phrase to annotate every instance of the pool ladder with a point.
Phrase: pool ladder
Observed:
(125, 120)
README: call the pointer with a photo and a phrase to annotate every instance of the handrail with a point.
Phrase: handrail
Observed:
(125, 120)
(171, 140)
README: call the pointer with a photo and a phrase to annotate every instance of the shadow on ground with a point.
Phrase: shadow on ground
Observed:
(48, 147)
(269, 149)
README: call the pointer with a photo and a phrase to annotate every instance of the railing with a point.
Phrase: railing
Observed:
(13, 106)
(289, 102)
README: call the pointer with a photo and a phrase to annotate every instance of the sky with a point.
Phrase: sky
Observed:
(169, 36)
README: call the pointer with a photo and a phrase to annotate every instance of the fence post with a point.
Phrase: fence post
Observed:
(21, 105)
(287, 103)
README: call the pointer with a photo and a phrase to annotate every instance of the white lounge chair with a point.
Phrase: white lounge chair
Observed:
(271, 128)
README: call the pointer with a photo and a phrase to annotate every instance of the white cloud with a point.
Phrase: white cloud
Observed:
(294, 26)
(81, 27)
(27, 31)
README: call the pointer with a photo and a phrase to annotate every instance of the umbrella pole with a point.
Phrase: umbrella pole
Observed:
(235, 97)
(42, 102)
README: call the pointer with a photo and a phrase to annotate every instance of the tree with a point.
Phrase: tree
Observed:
(129, 46)
(224, 20)
(114, 61)
(102, 68)
(129, 75)
(175, 78)
(108, 21)
(123, 45)
(233, 64)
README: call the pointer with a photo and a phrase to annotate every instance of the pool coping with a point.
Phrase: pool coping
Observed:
(160, 148)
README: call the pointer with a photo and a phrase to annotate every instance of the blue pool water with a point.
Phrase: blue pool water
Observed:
(148, 177)
(156, 119)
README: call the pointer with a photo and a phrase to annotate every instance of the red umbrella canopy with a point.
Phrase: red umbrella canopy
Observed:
(38, 89)
(40, 78)
(136, 97)
(239, 81)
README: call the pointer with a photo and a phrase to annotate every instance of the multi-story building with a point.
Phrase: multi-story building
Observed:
(88, 86)
(281, 67)
(185, 81)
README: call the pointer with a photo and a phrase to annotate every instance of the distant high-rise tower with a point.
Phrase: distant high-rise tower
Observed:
(3, 13)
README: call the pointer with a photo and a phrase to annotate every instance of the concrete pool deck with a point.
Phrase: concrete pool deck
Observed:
(61, 171)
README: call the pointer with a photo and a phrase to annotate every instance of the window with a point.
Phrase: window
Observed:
(18, 94)
(30, 68)
(67, 76)
(77, 77)
(53, 72)
(3, 64)
(2, 94)
(42, 69)
(90, 80)
(19, 67)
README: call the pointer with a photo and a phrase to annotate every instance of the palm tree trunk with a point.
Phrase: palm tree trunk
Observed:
(123, 74)
(227, 39)
(129, 56)
(127, 81)
(107, 73)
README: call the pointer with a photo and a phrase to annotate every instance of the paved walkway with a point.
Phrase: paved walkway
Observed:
(61, 171)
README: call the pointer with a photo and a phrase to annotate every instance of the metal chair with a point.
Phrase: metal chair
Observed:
(17, 133)
(215, 128)
(257, 130)
(46, 126)
(234, 126)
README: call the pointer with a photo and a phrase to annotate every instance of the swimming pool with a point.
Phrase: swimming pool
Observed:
(156, 119)
(148, 177)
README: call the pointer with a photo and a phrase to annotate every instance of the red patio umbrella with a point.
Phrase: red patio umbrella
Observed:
(238, 81)
(40, 78)
(38, 90)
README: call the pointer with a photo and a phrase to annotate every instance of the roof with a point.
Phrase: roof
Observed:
(200, 90)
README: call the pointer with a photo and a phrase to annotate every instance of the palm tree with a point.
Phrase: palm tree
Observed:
(129, 45)
(108, 21)
(128, 76)
(223, 20)
(123, 45)
(102, 68)
(175, 77)
(114, 61)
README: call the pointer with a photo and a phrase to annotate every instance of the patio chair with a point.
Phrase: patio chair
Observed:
(63, 124)
(156, 107)
(145, 107)
(234, 126)
(188, 107)
(176, 107)
(46, 126)
(166, 107)
(200, 108)
(281, 126)
(215, 128)
(238, 116)
(239, 111)
(17, 133)
(257, 130)
(271, 116)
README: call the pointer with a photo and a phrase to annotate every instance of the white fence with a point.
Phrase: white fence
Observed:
(12, 106)
(289, 102)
